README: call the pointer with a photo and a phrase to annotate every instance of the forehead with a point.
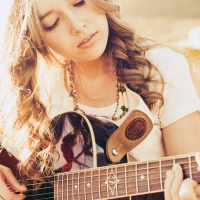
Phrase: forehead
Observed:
(43, 6)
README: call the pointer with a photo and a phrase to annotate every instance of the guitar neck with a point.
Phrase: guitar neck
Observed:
(121, 180)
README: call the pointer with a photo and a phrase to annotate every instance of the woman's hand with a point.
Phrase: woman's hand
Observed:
(178, 189)
(7, 179)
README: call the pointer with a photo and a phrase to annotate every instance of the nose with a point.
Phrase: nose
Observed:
(77, 23)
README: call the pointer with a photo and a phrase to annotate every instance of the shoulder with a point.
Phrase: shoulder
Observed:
(180, 97)
(164, 57)
(163, 53)
(168, 62)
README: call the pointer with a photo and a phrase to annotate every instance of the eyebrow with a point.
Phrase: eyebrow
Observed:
(45, 15)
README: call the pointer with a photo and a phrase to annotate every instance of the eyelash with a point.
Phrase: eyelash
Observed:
(53, 26)
(80, 3)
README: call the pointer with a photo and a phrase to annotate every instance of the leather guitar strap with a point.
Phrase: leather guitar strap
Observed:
(131, 133)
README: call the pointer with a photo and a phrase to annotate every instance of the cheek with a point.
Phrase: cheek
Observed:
(58, 44)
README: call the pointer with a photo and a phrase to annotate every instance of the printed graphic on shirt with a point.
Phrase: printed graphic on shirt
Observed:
(74, 144)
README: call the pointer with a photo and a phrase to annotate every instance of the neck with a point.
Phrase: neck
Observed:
(91, 70)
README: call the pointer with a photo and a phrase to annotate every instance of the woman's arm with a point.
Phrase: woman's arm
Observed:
(183, 136)
(8, 179)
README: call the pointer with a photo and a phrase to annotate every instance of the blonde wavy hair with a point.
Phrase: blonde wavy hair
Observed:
(24, 120)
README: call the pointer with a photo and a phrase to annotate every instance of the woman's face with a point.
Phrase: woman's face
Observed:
(73, 29)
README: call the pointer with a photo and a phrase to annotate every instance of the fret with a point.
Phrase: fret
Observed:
(148, 176)
(85, 184)
(136, 176)
(91, 175)
(121, 183)
(166, 164)
(55, 186)
(174, 160)
(107, 189)
(161, 185)
(195, 170)
(57, 189)
(78, 185)
(96, 185)
(116, 181)
(58, 186)
(103, 186)
(62, 189)
(155, 181)
(130, 178)
(126, 180)
(75, 186)
(81, 185)
(70, 188)
(190, 170)
(88, 185)
(67, 186)
(142, 178)
(99, 184)
(183, 161)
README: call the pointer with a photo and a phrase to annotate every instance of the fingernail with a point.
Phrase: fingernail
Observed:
(168, 173)
(175, 167)
(198, 155)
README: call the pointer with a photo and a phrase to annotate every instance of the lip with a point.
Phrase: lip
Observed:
(87, 41)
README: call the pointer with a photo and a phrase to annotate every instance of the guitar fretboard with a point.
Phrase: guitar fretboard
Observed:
(121, 180)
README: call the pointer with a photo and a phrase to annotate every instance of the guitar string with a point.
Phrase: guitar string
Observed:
(134, 182)
(141, 189)
(121, 182)
(130, 165)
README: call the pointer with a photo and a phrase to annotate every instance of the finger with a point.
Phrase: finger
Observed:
(7, 174)
(197, 157)
(197, 190)
(168, 184)
(6, 193)
(178, 178)
(189, 189)
(173, 182)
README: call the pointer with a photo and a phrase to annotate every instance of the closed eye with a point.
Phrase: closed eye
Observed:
(50, 28)
(80, 3)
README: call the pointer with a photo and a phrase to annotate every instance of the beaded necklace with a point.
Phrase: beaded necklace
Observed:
(121, 97)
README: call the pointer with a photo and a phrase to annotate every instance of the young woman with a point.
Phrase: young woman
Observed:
(76, 55)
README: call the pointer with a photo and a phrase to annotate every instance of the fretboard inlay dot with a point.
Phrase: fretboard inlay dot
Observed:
(88, 185)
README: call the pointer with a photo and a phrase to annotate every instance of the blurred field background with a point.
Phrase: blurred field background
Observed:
(175, 23)
(165, 21)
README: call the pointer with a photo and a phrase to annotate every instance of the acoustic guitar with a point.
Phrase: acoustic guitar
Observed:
(91, 180)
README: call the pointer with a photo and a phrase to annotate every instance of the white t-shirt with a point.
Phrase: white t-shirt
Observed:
(180, 98)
